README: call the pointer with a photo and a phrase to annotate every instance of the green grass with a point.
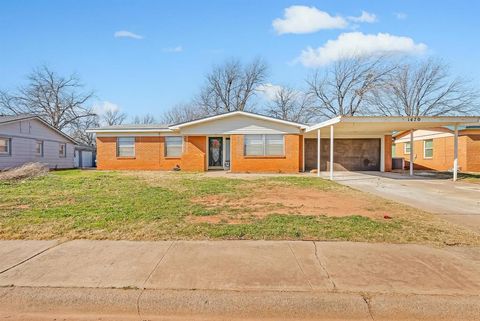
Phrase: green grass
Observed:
(118, 205)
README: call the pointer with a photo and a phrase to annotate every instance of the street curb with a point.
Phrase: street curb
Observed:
(231, 305)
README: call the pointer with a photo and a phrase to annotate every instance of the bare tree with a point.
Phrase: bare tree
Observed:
(343, 88)
(231, 86)
(113, 117)
(79, 133)
(290, 104)
(145, 119)
(425, 88)
(60, 101)
(182, 113)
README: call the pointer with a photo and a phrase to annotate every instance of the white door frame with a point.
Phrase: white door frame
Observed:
(223, 152)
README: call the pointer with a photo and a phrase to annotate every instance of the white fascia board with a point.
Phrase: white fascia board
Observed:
(99, 131)
(413, 119)
(207, 119)
(324, 124)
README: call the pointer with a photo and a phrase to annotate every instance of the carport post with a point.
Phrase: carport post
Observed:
(455, 153)
(331, 152)
(318, 152)
(411, 152)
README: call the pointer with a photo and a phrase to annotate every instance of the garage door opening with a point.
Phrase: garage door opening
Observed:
(362, 154)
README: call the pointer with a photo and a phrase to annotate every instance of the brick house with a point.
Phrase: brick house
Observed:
(247, 142)
(435, 148)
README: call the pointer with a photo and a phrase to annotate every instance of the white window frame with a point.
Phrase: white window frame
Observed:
(424, 149)
(264, 136)
(405, 148)
(41, 148)
(166, 147)
(64, 150)
(118, 147)
(9, 146)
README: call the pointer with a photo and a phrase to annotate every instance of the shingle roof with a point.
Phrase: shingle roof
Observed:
(134, 126)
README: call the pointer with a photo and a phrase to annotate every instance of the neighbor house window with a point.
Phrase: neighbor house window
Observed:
(39, 148)
(264, 145)
(173, 146)
(62, 150)
(406, 148)
(126, 146)
(5, 146)
(428, 148)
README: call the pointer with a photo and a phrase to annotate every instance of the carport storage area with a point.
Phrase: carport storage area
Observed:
(364, 143)
(357, 154)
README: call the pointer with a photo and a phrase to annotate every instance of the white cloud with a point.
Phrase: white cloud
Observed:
(358, 44)
(127, 34)
(400, 15)
(173, 49)
(303, 19)
(269, 91)
(364, 17)
(102, 107)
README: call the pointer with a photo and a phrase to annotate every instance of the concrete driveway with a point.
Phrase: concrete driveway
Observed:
(458, 202)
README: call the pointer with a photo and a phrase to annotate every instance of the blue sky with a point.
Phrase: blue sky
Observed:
(180, 40)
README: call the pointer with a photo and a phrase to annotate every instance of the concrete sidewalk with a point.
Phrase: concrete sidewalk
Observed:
(230, 280)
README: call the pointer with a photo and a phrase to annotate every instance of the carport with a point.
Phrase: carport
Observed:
(365, 142)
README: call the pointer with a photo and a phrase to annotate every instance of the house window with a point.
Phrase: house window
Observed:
(406, 148)
(126, 147)
(62, 150)
(264, 145)
(394, 150)
(39, 148)
(173, 146)
(5, 146)
(428, 148)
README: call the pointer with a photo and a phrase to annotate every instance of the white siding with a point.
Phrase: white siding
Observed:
(23, 136)
(239, 124)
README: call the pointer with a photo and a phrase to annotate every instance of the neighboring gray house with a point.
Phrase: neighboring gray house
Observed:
(28, 138)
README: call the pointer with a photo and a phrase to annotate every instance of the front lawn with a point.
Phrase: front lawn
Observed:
(158, 205)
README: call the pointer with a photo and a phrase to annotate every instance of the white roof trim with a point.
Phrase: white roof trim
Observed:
(207, 119)
(126, 130)
(464, 120)
(324, 124)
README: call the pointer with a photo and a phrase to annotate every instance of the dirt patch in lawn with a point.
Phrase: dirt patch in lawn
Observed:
(288, 200)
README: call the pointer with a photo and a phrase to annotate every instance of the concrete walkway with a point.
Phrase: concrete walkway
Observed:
(228, 280)
(458, 202)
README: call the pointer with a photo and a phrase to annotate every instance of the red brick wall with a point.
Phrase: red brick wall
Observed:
(150, 154)
(290, 163)
(388, 153)
(473, 153)
(442, 159)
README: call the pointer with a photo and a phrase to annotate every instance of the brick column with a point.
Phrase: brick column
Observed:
(388, 153)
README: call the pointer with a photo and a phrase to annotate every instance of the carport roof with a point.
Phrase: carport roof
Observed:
(384, 125)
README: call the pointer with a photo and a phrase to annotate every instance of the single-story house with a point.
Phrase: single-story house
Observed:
(27, 138)
(435, 148)
(247, 142)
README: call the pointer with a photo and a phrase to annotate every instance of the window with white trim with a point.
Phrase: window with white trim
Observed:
(39, 148)
(406, 148)
(5, 146)
(62, 150)
(428, 148)
(264, 145)
(126, 147)
(173, 146)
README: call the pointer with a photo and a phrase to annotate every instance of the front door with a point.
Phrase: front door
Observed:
(215, 152)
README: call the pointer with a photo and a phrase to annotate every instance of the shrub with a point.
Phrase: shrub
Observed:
(26, 171)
